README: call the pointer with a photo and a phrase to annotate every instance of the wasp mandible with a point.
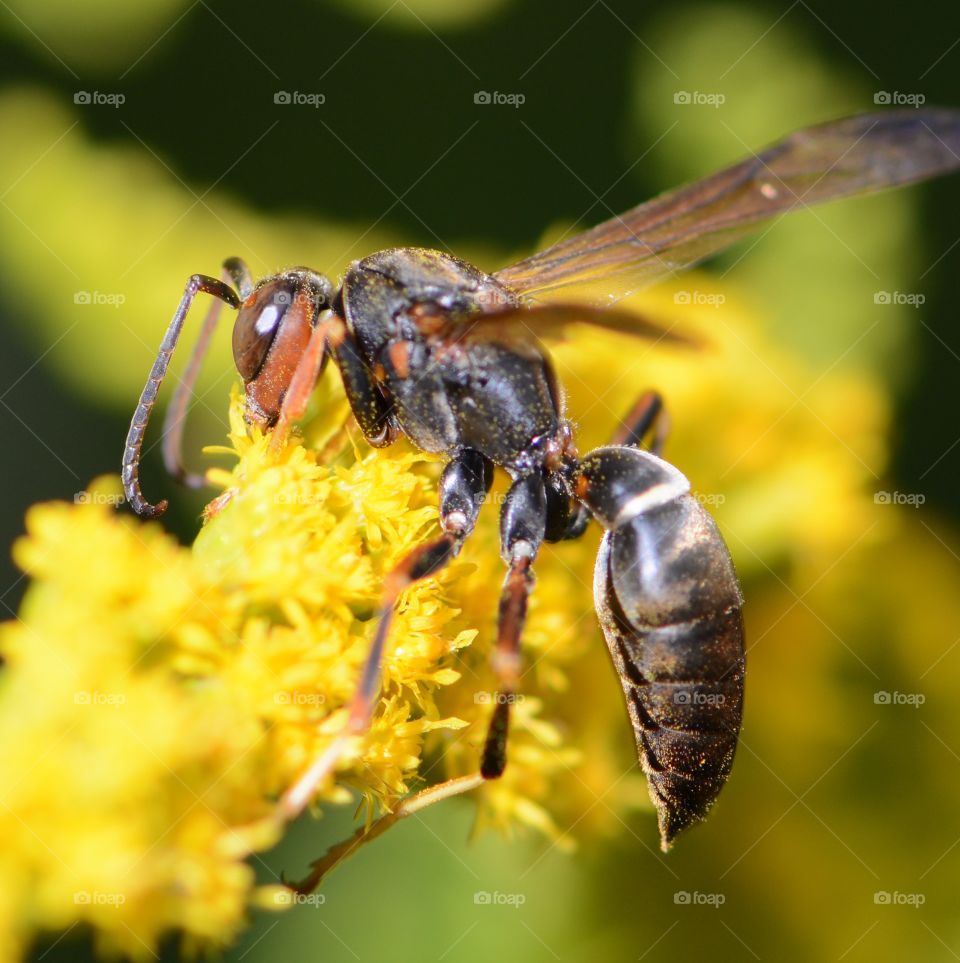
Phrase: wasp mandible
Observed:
(434, 349)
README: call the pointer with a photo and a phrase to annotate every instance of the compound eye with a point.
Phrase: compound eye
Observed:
(257, 324)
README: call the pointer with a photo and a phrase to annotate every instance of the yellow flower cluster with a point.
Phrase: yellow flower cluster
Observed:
(157, 699)
(161, 697)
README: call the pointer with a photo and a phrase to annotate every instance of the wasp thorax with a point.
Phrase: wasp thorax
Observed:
(619, 483)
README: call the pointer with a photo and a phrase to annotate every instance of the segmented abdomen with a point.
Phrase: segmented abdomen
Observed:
(670, 608)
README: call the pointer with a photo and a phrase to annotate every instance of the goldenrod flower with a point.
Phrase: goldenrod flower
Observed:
(158, 699)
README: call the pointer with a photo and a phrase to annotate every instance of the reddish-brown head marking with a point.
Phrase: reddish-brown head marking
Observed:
(270, 335)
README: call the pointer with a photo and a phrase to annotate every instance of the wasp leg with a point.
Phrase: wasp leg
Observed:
(408, 806)
(566, 517)
(371, 409)
(646, 415)
(464, 483)
(130, 470)
(522, 527)
(305, 376)
(235, 270)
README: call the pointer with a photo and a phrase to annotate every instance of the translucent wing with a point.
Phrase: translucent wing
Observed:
(856, 155)
(551, 321)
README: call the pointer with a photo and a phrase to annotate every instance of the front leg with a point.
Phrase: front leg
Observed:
(374, 413)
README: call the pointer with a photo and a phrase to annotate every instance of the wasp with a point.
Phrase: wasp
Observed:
(436, 350)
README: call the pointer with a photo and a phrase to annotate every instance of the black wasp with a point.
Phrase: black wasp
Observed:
(435, 349)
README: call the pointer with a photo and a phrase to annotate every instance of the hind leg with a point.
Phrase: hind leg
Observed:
(646, 416)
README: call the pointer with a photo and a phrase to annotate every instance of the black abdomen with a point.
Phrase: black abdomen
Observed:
(670, 607)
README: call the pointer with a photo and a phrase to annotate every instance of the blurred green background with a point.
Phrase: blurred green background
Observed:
(105, 209)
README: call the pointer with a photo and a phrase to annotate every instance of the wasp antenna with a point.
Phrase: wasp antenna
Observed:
(173, 424)
(236, 270)
(130, 472)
